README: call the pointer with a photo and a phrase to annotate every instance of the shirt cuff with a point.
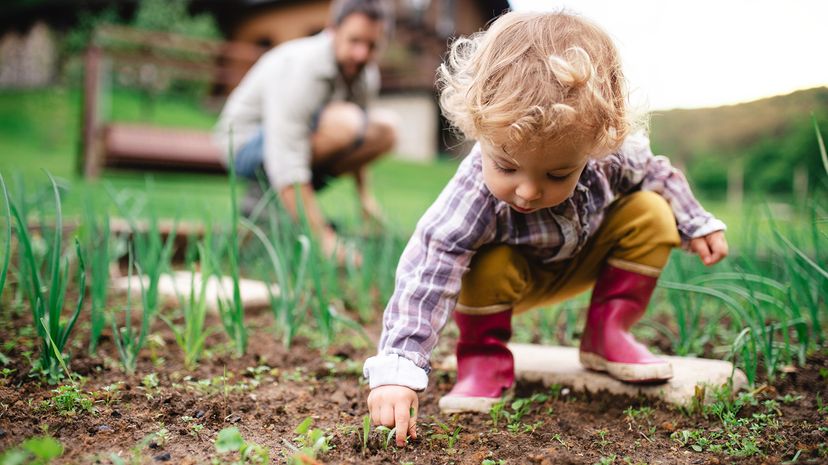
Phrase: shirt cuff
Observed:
(393, 369)
(709, 227)
(282, 177)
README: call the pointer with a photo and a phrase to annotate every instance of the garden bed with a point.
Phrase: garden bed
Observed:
(167, 413)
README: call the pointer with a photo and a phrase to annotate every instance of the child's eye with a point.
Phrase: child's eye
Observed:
(503, 169)
(553, 177)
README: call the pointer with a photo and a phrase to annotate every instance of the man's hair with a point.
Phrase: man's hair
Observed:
(378, 10)
(537, 77)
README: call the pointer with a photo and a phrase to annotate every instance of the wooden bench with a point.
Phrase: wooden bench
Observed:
(142, 146)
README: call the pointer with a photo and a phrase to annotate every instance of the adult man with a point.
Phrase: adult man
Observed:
(300, 114)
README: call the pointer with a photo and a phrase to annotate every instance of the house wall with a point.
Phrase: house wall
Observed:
(418, 124)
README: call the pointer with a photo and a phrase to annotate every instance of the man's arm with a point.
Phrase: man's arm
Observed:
(316, 220)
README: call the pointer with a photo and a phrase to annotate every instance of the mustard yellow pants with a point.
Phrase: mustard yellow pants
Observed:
(637, 234)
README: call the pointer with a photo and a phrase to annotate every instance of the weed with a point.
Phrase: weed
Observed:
(69, 400)
(608, 460)
(493, 462)
(602, 440)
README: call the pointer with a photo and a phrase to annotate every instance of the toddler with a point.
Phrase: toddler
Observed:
(559, 195)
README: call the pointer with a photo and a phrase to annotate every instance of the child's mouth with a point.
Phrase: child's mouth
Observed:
(522, 210)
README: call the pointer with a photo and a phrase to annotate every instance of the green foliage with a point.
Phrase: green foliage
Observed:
(311, 442)
(46, 301)
(70, 400)
(128, 340)
(192, 335)
(173, 16)
(34, 451)
(4, 268)
(98, 248)
(231, 440)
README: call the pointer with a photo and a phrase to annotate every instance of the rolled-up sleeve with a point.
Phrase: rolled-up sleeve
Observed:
(428, 279)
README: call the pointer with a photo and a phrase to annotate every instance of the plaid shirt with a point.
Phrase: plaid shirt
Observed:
(466, 216)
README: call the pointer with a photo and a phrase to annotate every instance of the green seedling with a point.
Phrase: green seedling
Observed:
(366, 432)
(191, 337)
(128, 340)
(70, 400)
(47, 301)
(445, 433)
(311, 443)
(35, 451)
(388, 434)
(97, 245)
(4, 268)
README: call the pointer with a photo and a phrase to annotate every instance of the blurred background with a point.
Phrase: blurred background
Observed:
(85, 85)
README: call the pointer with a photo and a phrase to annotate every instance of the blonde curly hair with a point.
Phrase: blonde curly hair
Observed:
(536, 77)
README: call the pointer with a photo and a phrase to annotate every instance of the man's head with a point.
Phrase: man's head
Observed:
(358, 27)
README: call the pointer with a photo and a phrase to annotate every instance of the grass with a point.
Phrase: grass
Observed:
(763, 307)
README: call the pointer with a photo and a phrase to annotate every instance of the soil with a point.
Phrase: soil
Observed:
(267, 403)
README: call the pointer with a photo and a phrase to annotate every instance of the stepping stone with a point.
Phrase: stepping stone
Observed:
(559, 365)
(254, 293)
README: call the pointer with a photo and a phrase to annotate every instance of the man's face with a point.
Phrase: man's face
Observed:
(356, 41)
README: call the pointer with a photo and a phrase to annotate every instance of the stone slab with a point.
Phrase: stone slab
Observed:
(559, 365)
(254, 293)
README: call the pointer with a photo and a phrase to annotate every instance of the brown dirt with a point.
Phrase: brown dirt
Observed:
(303, 382)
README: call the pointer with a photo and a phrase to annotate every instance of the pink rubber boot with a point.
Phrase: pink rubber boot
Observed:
(619, 300)
(485, 366)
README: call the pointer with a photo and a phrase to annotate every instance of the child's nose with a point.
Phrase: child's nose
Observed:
(528, 191)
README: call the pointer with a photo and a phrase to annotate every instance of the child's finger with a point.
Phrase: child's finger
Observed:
(718, 245)
(387, 415)
(412, 422)
(701, 248)
(401, 417)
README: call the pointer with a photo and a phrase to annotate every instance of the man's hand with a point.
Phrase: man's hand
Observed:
(341, 251)
(710, 248)
(395, 407)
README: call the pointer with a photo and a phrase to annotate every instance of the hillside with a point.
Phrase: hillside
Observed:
(733, 129)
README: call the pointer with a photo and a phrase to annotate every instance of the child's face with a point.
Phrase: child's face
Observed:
(533, 178)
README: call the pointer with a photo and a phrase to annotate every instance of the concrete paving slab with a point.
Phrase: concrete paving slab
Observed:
(254, 293)
(559, 365)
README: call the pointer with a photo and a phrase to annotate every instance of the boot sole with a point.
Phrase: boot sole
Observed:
(462, 404)
(628, 372)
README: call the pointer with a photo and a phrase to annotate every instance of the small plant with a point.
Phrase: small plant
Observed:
(366, 432)
(387, 435)
(493, 462)
(4, 267)
(445, 433)
(69, 400)
(192, 335)
(34, 451)
(128, 340)
(47, 301)
(97, 245)
(311, 443)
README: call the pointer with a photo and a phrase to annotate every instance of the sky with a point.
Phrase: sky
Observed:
(704, 53)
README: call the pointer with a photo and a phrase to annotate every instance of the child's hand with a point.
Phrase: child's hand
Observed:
(710, 248)
(394, 406)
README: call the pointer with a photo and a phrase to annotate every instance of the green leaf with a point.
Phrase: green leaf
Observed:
(229, 440)
(44, 447)
(14, 457)
(304, 426)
